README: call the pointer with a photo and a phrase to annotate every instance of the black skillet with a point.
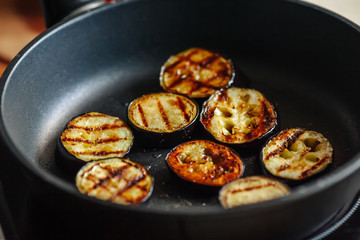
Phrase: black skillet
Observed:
(303, 58)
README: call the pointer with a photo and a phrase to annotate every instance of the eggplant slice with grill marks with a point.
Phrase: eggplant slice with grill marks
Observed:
(196, 73)
(296, 154)
(92, 136)
(162, 119)
(251, 190)
(117, 180)
(239, 116)
(205, 162)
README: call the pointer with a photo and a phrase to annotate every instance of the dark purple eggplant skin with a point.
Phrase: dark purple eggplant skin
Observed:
(155, 140)
(290, 182)
(67, 162)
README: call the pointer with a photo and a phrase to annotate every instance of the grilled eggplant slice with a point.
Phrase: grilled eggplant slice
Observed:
(196, 73)
(238, 116)
(162, 118)
(296, 154)
(205, 162)
(251, 190)
(93, 136)
(117, 180)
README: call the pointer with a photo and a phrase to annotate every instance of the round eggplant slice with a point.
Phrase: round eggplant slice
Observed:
(162, 118)
(117, 180)
(205, 162)
(196, 73)
(296, 154)
(238, 115)
(251, 190)
(93, 136)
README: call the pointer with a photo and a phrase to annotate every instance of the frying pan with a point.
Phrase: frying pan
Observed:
(303, 58)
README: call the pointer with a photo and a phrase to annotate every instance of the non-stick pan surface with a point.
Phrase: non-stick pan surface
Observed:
(304, 59)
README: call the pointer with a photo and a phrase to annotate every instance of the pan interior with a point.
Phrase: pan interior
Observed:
(103, 60)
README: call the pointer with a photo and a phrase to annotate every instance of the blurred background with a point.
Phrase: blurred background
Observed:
(22, 20)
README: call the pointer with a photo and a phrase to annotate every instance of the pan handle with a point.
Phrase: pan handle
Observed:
(56, 10)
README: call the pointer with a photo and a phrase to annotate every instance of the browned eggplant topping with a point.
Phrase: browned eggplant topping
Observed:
(95, 136)
(297, 154)
(238, 115)
(251, 190)
(196, 73)
(162, 112)
(117, 180)
(205, 162)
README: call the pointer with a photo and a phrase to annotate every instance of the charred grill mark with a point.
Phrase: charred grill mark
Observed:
(97, 141)
(287, 139)
(249, 135)
(76, 140)
(268, 118)
(98, 128)
(314, 167)
(266, 121)
(101, 153)
(224, 165)
(223, 96)
(207, 115)
(225, 72)
(275, 152)
(209, 60)
(142, 115)
(182, 107)
(179, 80)
(180, 60)
(171, 67)
(109, 140)
(111, 174)
(207, 86)
(88, 170)
(163, 115)
(129, 184)
(253, 188)
(283, 168)
(94, 115)
(195, 85)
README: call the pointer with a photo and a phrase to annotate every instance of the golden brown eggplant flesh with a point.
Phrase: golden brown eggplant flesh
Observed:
(238, 116)
(251, 190)
(118, 180)
(205, 162)
(196, 73)
(162, 118)
(296, 154)
(93, 136)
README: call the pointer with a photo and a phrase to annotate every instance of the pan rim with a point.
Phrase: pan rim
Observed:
(315, 186)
